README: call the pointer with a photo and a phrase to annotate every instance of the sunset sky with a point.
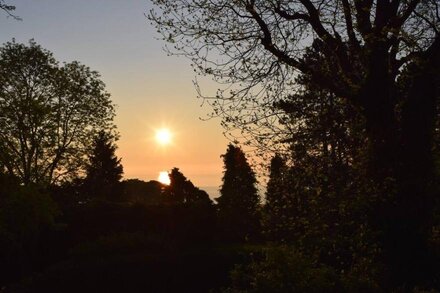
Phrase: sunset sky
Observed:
(151, 89)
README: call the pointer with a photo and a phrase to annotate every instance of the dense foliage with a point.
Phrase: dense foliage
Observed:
(343, 94)
(104, 170)
(239, 201)
(181, 190)
(50, 114)
(348, 93)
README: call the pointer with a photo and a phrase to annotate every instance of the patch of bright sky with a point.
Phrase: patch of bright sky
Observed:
(152, 90)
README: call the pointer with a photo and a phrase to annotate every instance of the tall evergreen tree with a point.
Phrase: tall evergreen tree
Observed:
(276, 209)
(104, 170)
(239, 200)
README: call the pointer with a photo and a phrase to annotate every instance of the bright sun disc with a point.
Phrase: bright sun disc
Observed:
(163, 136)
(164, 178)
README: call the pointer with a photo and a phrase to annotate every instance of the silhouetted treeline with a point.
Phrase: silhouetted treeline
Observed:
(309, 232)
(348, 93)
(57, 232)
(346, 209)
(124, 234)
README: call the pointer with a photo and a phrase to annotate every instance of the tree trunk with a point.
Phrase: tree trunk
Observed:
(378, 103)
(413, 212)
(401, 164)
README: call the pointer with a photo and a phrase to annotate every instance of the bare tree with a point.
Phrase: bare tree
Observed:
(257, 47)
(8, 9)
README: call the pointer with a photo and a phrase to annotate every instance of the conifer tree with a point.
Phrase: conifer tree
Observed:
(276, 210)
(239, 200)
(182, 190)
(104, 170)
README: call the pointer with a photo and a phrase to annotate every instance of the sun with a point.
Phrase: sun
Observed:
(163, 136)
(164, 178)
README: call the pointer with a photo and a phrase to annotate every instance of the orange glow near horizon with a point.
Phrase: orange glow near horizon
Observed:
(152, 91)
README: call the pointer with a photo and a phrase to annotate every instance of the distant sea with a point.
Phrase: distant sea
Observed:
(213, 191)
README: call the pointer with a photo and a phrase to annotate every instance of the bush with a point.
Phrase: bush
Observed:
(24, 214)
(281, 269)
(117, 243)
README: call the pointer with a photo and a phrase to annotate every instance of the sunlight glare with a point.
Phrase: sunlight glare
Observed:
(163, 136)
(164, 178)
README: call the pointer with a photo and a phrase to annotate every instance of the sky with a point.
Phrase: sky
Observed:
(151, 90)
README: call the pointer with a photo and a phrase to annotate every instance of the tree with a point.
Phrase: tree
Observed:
(181, 190)
(328, 208)
(239, 201)
(366, 51)
(277, 210)
(138, 191)
(8, 9)
(364, 47)
(104, 170)
(26, 214)
(49, 113)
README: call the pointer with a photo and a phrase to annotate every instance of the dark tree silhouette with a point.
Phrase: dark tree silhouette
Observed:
(138, 191)
(365, 49)
(26, 213)
(49, 114)
(181, 190)
(364, 46)
(239, 201)
(104, 170)
(8, 9)
(277, 210)
(276, 184)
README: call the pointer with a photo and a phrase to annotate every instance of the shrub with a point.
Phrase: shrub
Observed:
(281, 269)
(24, 213)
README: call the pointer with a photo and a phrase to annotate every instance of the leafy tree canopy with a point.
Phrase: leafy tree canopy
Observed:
(182, 190)
(336, 83)
(50, 113)
(139, 191)
(259, 47)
